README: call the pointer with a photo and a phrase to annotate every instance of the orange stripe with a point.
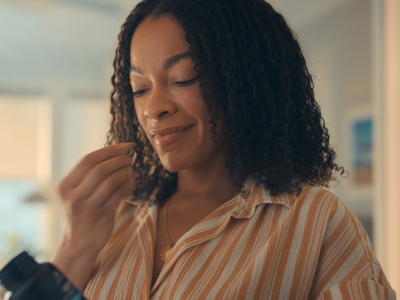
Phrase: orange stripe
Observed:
(243, 258)
(183, 271)
(113, 257)
(309, 238)
(244, 287)
(286, 249)
(206, 266)
(364, 289)
(327, 296)
(260, 269)
(344, 291)
(270, 253)
(328, 253)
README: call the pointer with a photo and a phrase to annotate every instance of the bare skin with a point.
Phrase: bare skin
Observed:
(166, 96)
(162, 102)
(182, 216)
(90, 195)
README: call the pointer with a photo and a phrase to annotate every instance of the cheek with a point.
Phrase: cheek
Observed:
(141, 119)
(139, 114)
(194, 105)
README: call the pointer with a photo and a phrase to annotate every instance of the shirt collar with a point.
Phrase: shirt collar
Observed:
(257, 194)
(149, 200)
(245, 205)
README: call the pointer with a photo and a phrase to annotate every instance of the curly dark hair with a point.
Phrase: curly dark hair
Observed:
(248, 62)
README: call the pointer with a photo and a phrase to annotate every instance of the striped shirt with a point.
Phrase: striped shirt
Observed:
(305, 246)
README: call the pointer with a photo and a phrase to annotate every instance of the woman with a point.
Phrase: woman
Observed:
(218, 138)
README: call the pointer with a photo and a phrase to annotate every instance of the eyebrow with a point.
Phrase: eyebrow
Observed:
(167, 64)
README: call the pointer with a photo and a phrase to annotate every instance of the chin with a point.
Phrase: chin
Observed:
(173, 164)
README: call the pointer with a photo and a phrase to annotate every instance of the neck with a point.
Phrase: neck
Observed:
(210, 184)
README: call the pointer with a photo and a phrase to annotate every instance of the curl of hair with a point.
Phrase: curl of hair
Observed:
(250, 64)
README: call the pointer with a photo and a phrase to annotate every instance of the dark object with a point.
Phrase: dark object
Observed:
(28, 280)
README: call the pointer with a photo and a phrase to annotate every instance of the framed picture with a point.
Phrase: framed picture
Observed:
(359, 149)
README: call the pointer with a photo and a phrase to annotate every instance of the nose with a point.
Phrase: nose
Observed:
(159, 104)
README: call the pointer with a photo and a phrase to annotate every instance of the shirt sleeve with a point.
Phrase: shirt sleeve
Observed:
(358, 289)
(347, 267)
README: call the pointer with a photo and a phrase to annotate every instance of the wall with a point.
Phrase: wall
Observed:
(338, 49)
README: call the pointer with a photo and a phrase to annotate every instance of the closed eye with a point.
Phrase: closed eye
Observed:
(179, 83)
(186, 82)
(139, 93)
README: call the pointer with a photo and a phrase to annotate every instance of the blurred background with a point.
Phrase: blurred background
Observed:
(55, 68)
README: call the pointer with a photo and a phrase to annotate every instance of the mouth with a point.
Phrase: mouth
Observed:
(168, 135)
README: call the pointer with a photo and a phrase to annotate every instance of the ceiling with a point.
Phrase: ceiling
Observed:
(48, 42)
(300, 12)
(303, 12)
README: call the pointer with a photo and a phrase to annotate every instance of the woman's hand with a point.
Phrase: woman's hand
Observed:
(92, 192)
(90, 195)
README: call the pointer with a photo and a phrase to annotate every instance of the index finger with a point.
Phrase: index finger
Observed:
(92, 159)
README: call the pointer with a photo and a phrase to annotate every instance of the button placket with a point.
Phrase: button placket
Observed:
(185, 243)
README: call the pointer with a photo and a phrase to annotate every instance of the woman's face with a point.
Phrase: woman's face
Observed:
(168, 102)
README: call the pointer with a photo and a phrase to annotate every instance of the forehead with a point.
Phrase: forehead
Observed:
(157, 39)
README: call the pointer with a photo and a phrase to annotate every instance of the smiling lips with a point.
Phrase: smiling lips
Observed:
(168, 135)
